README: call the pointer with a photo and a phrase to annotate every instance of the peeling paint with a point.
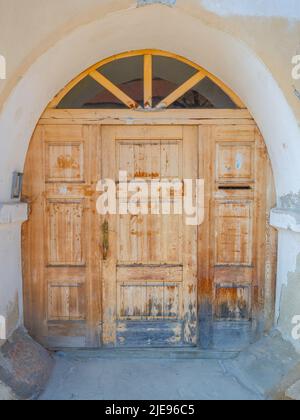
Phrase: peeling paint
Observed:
(260, 8)
(12, 316)
(290, 201)
(297, 93)
(67, 162)
(148, 2)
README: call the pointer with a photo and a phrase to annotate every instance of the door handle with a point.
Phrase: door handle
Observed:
(105, 240)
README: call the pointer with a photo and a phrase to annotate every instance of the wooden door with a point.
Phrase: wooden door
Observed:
(131, 280)
(150, 272)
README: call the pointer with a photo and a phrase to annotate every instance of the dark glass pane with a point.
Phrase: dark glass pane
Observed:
(126, 73)
(205, 95)
(168, 75)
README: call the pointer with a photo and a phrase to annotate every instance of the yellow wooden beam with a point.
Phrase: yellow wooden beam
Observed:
(148, 81)
(179, 92)
(112, 88)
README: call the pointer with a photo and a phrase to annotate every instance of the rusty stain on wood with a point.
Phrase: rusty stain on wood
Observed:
(151, 175)
(67, 162)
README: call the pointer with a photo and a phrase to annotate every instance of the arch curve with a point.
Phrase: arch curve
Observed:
(93, 70)
(222, 55)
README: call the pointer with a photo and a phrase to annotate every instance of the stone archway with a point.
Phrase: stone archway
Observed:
(221, 54)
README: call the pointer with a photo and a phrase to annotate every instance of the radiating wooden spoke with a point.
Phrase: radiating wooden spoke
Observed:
(179, 92)
(148, 81)
(112, 88)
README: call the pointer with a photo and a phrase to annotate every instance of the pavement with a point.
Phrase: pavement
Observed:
(263, 372)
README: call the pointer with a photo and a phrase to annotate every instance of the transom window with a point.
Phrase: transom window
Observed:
(149, 80)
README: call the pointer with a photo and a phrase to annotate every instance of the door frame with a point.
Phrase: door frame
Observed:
(144, 117)
(201, 118)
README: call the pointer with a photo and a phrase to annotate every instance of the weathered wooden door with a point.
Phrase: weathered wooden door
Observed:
(148, 279)
(149, 269)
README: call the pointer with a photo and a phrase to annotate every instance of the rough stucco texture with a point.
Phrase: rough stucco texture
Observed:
(10, 275)
(272, 8)
(290, 304)
(291, 201)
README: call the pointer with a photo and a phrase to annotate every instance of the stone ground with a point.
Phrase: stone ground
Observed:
(262, 372)
(25, 367)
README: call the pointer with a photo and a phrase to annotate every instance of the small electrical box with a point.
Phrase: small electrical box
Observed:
(16, 185)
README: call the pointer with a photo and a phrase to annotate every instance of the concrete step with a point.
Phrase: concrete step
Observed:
(293, 393)
(153, 353)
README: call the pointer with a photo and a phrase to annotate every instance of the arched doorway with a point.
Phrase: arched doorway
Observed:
(124, 279)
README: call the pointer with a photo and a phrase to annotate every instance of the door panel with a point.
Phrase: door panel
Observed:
(152, 262)
(61, 238)
(233, 233)
(65, 233)
(232, 276)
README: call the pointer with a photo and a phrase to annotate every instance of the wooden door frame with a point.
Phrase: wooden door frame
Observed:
(201, 118)
(143, 117)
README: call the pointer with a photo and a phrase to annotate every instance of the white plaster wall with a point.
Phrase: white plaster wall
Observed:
(148, 27)
(288, 290)
(10, 276)
(11, 306)
(264, 8)
(289, 247)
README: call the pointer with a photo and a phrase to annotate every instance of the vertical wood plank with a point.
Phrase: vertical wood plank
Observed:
(148, 81)
(109, 289)
(205, 250)
(93, 272)
(190, 309)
